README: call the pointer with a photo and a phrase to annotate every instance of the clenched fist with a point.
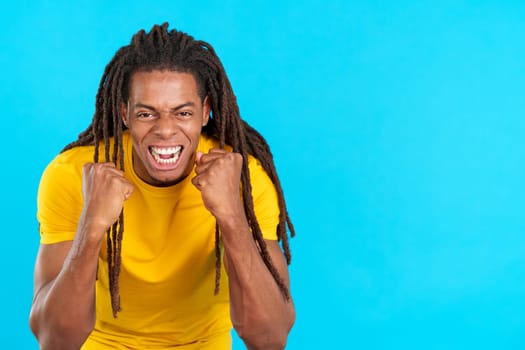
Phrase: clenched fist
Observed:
(104, 189)
(218, 178)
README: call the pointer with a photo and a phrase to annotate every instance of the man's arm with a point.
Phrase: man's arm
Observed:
(63, 311)
(260, 313)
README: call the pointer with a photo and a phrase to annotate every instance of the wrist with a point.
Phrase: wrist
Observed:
(232, 222)
(230, 216)
(91, 232)
(87, 243)
(234, 229)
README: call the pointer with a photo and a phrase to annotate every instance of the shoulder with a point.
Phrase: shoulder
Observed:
(65, 169)
(59, 199)
(265, 199)
(62, 178)
(72, 159)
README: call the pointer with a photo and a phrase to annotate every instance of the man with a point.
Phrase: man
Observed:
(174, 236)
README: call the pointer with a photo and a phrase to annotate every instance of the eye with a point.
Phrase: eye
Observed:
(185, 114)
(144, 115)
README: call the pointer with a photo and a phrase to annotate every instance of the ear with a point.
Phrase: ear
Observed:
(124, 113)
(206, 111)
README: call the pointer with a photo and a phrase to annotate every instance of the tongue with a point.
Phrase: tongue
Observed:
(166, 156)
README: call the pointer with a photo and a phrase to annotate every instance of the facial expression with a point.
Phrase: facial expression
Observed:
(165, 116)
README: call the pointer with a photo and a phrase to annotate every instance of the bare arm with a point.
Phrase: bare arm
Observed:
(63, 310)
(260, 313)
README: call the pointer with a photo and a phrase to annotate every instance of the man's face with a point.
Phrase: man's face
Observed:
(164, 115)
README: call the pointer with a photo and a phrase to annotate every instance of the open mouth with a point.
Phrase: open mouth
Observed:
(165, 155)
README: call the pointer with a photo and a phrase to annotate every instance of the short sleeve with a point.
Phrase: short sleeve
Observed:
(59, 202)
(265, 199)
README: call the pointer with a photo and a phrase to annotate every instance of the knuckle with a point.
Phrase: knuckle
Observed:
(237, 157)
(98, 167)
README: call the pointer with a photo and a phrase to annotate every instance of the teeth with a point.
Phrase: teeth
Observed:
(168, 150)
(167, 161)
(172, 152)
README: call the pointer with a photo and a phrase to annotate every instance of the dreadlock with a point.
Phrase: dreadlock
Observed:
(163, 49)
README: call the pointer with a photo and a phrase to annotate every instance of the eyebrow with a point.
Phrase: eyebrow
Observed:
(143, 105)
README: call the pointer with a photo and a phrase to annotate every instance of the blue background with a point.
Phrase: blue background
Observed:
(397, 129)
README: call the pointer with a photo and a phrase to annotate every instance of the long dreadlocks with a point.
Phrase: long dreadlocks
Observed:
(163, 49)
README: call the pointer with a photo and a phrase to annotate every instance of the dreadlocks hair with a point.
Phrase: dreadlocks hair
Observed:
(163, 49)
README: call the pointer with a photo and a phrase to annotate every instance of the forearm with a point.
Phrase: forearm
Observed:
(63, 311)
(260, 313)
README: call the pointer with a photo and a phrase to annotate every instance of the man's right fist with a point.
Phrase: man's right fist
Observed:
(104, 189)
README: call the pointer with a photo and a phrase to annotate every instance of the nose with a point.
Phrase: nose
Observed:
(166, 127)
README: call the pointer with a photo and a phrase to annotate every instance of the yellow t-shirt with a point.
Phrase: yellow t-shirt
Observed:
(167, 274)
